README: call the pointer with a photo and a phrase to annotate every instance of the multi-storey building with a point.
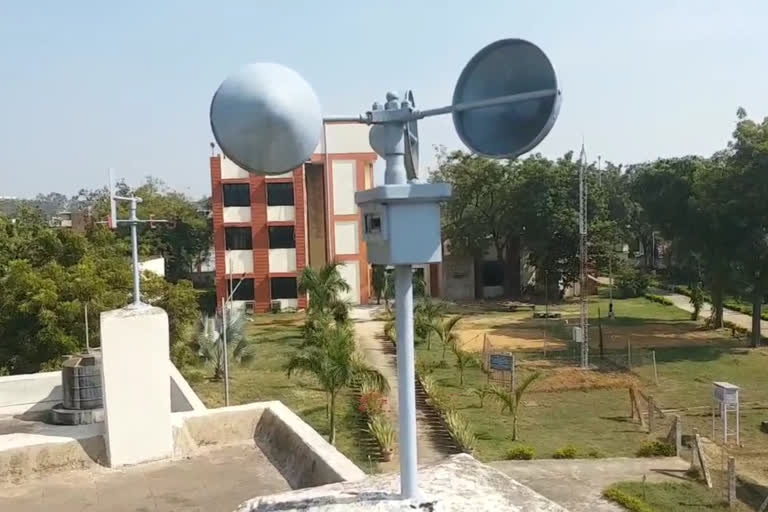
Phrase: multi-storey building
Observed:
(268, 228)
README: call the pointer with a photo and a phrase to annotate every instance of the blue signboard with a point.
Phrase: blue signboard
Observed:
(502, 362)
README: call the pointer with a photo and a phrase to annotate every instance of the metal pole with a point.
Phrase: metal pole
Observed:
(135, 254)
(493, 102)
(87, 336)
(409, 484)
(226, 352)
(610, 284)
(655, 371)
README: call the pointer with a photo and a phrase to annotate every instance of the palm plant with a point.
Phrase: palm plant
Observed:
(211, 343)
(464, 359)
(446, 334)
(325, 288)
(426, 314)
(379, 282)
(336, 366)
(419, 287)
(510, 400)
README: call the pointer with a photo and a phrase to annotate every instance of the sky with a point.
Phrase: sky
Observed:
(88, 85)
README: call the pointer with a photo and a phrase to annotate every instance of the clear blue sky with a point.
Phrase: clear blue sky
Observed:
(86, 85)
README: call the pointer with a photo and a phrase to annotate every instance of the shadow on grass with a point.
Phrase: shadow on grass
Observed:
(679, 474)
(750, 492)
(617, 419)
(312, 410)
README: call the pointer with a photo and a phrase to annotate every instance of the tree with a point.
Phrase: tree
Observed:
(336, 366)
(686, 198)
(510, 400)
(184, 243)
(481, 212)
(211, 343)
(48, 275)
(747, 188)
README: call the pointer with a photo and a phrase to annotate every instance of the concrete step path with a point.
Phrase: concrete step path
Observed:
(378, 352)
(578, 484)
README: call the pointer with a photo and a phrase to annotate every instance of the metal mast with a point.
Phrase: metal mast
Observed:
(584, 311)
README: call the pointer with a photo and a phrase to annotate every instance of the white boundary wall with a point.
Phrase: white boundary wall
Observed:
(32, 392)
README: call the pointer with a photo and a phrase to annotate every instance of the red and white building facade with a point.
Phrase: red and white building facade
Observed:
(268, 228)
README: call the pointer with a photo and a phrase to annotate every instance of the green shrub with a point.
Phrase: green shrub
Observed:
(521, 452)
(461, 431)
(625, 500)
(632, 282)
(567, 452)
(594, 453)
(382, 430)
(194, 375)
(659, 299)
(656, 449)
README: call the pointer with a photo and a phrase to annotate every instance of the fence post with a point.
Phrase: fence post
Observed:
(695, 452)
(629, 355)
(514, 369)
(655, 371)
(731, 482)
(678, 435)
(651, 414)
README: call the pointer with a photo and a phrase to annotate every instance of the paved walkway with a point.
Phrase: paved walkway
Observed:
(683, 302)
(214, 482)
(578, 484)
(379, 353)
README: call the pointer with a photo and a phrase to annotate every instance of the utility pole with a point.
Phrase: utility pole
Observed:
(584, 312)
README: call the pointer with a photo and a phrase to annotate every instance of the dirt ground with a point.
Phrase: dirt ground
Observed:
(567, 378)
(519, 331)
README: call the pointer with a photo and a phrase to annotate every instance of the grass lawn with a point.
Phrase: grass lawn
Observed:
(688, 358)
(676, 497)
(589, 421)
(276, 339)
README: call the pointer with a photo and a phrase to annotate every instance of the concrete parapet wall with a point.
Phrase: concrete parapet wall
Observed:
(23, 456)
(301, 455)
(34, 392)
(39, 392)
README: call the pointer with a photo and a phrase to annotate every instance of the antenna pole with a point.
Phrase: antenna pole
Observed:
(133, 221)
(584, 312)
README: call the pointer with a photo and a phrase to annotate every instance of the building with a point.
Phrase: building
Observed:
(268, 228)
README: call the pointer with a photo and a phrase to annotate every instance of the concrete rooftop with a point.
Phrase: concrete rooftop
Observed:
(216, 481)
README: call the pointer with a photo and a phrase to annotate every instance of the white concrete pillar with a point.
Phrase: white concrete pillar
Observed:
(137, 403)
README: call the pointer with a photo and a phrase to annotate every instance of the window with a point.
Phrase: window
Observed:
(279, 194)
(237, 194)
(282, 237)
(238, 239)
(283, 288)
(243, 289)
(493, 273)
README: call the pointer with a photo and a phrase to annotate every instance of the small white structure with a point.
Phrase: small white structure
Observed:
(725, 399)
(135, 353)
